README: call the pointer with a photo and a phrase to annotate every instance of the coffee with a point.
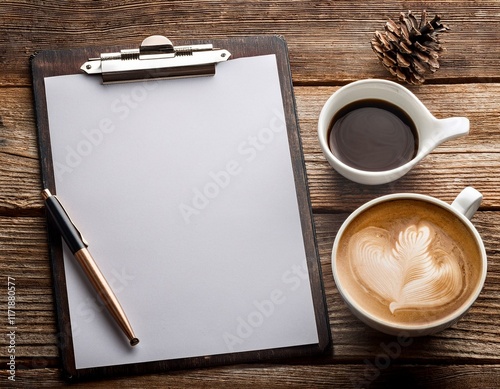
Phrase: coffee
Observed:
(373, 135)
(408, 261)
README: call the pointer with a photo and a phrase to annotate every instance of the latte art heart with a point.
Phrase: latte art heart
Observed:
(414, 271)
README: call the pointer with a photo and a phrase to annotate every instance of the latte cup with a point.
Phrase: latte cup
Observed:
(410, 264)
(374, 134)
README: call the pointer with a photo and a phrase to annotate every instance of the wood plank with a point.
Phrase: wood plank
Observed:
(470, 160)
(24, 255)
(319, 34)
(20, 185)
(361, 375)
(478, 102)
(331, 192)
(20, 181)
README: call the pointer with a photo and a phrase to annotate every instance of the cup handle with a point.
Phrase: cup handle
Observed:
(467, 202)
(451, 128)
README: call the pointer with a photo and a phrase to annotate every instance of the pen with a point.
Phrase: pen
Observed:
(78, 247)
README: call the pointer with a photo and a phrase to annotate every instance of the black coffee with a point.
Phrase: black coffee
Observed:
(373, 135)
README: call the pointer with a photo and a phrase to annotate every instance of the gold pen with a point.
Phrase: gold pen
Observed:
(78, 247)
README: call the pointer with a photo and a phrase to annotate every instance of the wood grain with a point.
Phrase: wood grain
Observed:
(24, 253)
(470, 160)
(329, 46)
(329, 40)
(351, 376)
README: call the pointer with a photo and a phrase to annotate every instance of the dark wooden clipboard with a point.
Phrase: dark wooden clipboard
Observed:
(63, 62)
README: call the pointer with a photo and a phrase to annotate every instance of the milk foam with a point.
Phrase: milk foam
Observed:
(413, 266)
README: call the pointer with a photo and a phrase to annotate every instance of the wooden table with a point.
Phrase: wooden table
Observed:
(329, 47)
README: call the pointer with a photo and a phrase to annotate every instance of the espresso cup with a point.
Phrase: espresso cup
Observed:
(410, 264)
(374, 131)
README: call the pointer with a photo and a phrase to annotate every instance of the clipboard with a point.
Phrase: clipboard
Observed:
(54, 63)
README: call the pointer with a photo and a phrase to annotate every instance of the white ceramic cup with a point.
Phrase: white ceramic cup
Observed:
(463, 208)
(431, 131)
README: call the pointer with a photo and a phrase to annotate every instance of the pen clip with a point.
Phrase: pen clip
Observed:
(84, 241)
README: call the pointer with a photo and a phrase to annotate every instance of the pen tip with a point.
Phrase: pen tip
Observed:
(134, 341)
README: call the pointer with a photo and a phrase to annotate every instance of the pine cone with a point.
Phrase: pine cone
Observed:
(409, 49)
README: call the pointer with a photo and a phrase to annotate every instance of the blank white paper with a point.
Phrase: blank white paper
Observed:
(185, 192)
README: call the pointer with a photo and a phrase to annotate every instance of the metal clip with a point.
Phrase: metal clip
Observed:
(156, 58)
